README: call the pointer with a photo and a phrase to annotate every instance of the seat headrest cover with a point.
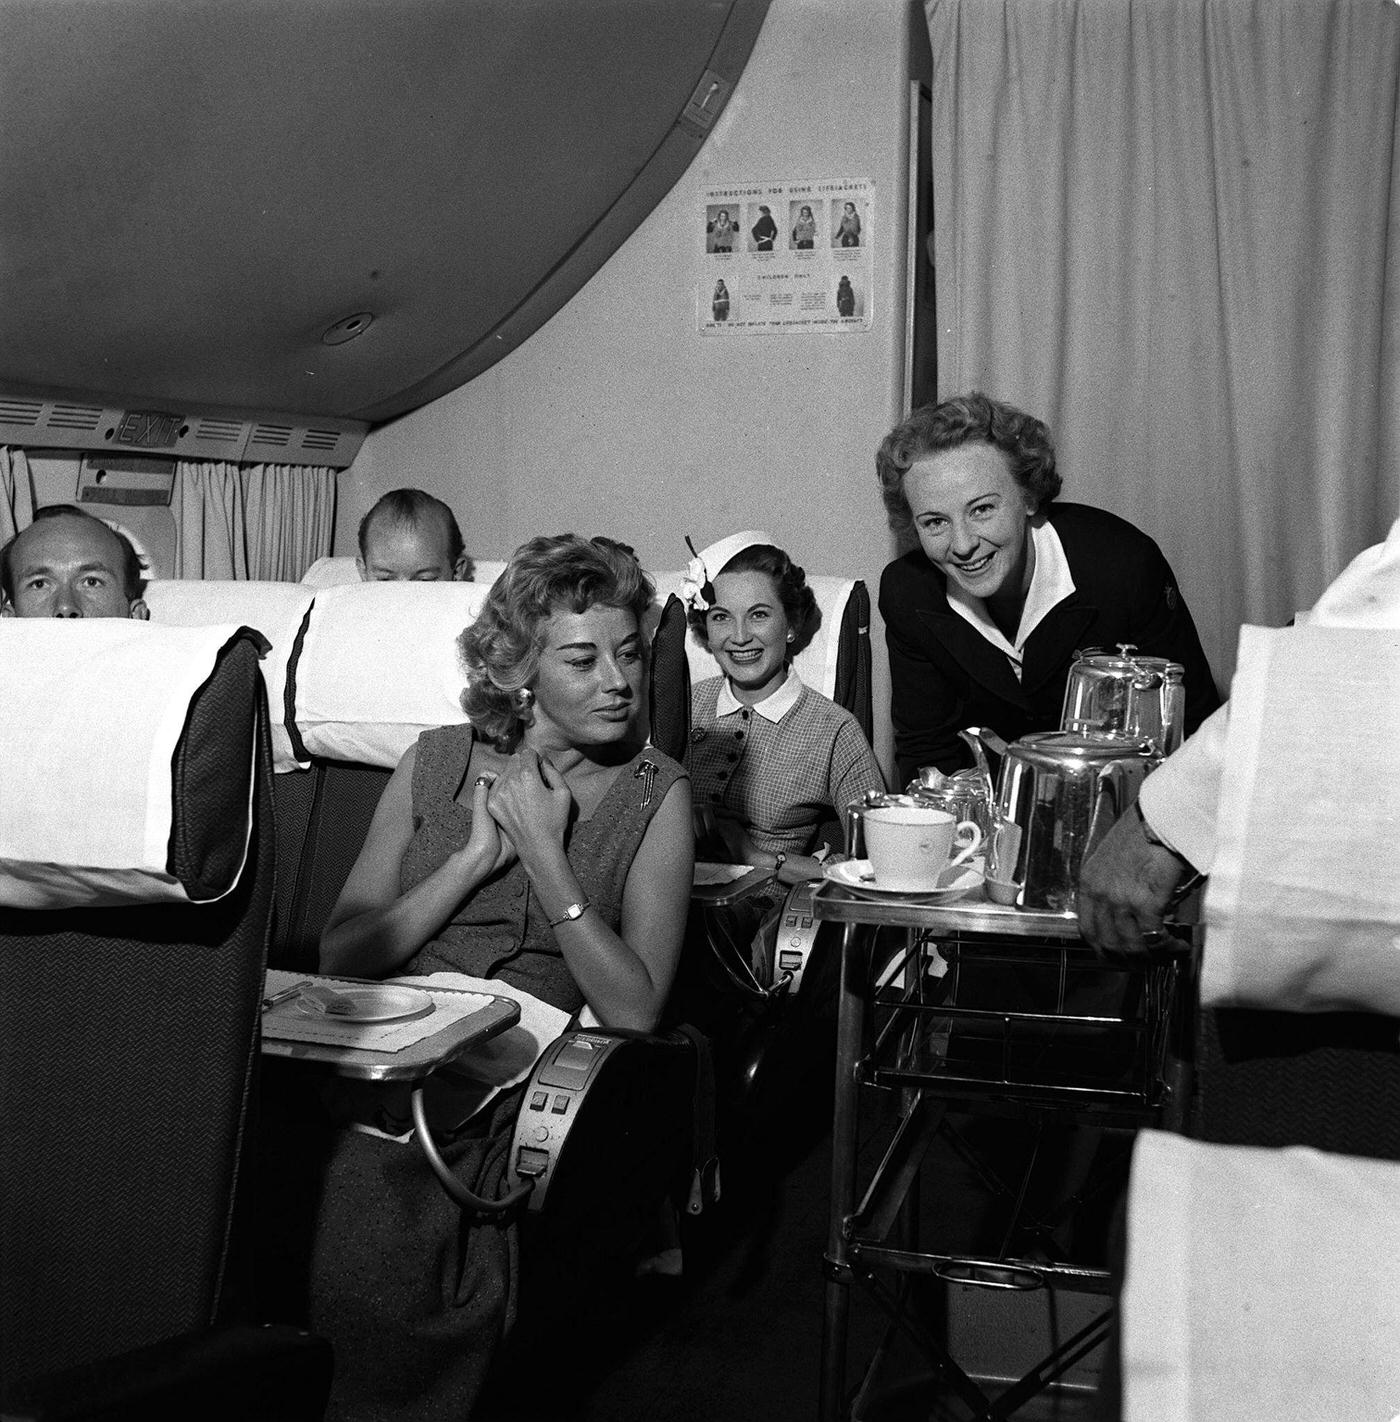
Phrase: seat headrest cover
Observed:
(1259, 1283)
(91, 716)
(379, 665)
(815, 663)
(277, 610)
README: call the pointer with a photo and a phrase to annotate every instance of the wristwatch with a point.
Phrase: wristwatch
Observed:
(571, 913)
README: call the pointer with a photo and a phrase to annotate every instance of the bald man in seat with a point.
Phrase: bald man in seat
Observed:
(69, 564)
(411, 537)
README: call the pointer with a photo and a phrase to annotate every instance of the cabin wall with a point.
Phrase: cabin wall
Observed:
(55, 475)
(619, 417)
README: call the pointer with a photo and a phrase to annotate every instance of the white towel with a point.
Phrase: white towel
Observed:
(379, 665)
(1260, 1284)
(90, 715)
(277, 610)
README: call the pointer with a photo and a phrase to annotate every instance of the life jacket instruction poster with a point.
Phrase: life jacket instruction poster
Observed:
(785, 258)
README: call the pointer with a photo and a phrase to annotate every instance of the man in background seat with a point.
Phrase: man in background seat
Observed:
(411, 537)
(69, 564)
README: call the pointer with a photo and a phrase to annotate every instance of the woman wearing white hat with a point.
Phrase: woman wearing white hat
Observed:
(771, 759)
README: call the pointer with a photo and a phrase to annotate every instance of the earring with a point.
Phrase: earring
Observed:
(523, 700)
(792, 636)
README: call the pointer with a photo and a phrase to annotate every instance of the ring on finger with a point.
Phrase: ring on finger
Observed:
(487, 780)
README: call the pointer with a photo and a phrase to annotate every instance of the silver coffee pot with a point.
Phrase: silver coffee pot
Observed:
(1128, 696)
(1064, 790)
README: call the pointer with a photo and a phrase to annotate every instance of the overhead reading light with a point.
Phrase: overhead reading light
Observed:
(347, 328)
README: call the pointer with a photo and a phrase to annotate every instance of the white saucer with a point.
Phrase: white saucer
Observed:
(364, 1004)
(857, 876)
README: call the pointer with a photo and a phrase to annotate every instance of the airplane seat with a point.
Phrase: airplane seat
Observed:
(1300, 987)
(1272, 1234)
(1259, 1282)
(1328, 1080)
(281, 612)
(375, 665)
(132, 954)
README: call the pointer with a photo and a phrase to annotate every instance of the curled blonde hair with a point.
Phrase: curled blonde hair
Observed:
(501, 649)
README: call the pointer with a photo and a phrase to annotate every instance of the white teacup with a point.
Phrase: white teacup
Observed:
(911, 846)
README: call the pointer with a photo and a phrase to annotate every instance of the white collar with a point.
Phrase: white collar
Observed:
(772, 708)
(1051, 584)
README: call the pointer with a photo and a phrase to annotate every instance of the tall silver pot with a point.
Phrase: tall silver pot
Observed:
(1064, 791)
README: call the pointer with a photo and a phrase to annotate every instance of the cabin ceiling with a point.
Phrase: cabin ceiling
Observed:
(193, 193)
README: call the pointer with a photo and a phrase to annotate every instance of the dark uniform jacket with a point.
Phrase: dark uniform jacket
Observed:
(945, 675)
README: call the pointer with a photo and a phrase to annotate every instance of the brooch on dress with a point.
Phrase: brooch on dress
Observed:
(646, 773)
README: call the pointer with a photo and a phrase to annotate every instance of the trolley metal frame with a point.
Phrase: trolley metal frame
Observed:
(896, 1029)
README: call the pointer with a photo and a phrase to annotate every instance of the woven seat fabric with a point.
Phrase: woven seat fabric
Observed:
(1328, 1080)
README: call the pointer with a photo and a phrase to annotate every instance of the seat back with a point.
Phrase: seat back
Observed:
(852, 670)
(1329, 1080)
(128, 1038)
(1300, 1028)
(323, 816)
(668, 704)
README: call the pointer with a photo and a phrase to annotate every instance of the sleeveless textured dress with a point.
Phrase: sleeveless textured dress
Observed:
(501, 931)
(415, 1296)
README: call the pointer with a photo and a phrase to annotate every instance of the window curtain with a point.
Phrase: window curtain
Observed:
(16, 493)
(258, 521)
(1171, 228)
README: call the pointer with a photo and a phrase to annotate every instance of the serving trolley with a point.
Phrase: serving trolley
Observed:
(970, 1009)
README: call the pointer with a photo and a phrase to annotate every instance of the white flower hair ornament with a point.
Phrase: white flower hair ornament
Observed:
(707, 564)
(692, 588)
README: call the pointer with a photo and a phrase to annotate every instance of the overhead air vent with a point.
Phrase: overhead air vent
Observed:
(219, 431)
(24, 413)
(274, 436)
(74, 417)
(64, 420)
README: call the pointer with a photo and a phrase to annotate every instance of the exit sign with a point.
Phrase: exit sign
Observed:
(148, 429)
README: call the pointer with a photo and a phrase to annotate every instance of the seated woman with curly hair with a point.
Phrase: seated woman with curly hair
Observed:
(541, 846)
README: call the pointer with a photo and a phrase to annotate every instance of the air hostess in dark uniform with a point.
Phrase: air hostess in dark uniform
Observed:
(984, 617)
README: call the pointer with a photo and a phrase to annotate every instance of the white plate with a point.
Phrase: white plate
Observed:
(363, 1004)
(856, 875)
